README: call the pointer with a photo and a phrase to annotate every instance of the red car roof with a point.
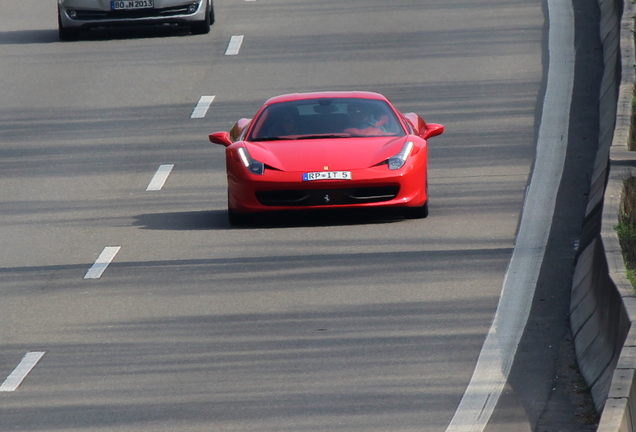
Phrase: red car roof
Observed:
(326, 94)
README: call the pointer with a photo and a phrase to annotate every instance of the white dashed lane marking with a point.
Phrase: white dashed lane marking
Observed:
(104, 259)
(234, 46)
(202, 107)
(160, 177)
(18, 375)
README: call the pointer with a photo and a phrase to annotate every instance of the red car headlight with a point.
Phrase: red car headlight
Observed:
(252, 165)
(396, 162)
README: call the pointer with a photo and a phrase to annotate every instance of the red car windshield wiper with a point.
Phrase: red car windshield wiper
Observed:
(318, 136)
(303, 137)
(272, 138)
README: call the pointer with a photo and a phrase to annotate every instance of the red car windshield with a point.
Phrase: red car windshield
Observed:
(326, 118)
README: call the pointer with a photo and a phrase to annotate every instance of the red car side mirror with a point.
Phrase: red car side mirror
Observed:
(432, 129)
(222, 138)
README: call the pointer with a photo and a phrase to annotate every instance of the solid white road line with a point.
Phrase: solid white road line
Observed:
(202, 107)
(234, 46)
(104, 259)
(18, 375)
(160, 177)
(498, 352)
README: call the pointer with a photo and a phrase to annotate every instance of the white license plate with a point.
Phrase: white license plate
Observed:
(327, 175)
(132, 4)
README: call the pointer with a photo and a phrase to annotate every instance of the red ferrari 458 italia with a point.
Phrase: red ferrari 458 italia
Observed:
(327, 150)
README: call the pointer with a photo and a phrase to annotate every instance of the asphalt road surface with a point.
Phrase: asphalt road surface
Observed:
(320, 322)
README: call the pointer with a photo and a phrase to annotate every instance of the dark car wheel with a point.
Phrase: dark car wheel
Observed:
(416, 212)
(66, 34)
(237, 219)
(212, 16)
(203, 27)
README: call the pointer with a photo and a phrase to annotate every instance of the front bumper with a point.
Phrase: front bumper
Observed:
(373, 187)
(98, 13)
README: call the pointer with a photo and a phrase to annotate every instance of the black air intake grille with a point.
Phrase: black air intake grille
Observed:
(320, 197)
(88, 15)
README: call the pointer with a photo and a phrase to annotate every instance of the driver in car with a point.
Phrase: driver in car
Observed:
(362, 122)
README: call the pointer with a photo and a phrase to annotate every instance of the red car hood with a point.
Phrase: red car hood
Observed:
(337, 154)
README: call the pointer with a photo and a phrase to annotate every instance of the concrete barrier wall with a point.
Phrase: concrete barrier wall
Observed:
(603, 305)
